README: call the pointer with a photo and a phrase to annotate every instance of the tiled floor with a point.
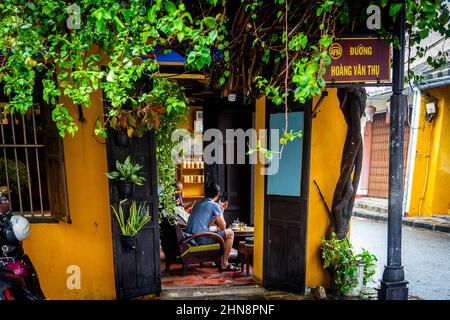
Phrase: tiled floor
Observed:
(208, 275)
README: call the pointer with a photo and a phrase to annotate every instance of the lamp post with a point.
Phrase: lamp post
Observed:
(393, 284)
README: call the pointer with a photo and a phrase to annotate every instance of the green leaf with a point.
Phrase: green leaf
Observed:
(213, 35)
(170, 7)
(395, 8)
(210, 22)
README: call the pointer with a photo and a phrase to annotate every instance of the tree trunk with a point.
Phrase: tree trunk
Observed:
(352, 104)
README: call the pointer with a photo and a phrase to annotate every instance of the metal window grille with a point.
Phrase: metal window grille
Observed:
(21, 157)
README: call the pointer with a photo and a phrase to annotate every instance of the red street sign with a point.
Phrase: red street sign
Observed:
(358, 60)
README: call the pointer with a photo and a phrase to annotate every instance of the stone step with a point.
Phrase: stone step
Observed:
(442, 216)
(429, 223)
(213, 291)
(375, 205)
(230, 292)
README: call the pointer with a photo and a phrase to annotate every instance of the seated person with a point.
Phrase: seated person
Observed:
(178, 193)
(206, 213)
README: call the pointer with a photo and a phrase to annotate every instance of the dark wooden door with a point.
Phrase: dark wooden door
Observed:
(234, 179)
(137, 272)
(286, 207)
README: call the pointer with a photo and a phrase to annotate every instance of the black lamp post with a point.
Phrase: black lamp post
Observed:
(393, 284)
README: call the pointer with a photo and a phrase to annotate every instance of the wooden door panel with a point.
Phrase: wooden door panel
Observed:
(233, 179)
(286, 213)
(277, 255)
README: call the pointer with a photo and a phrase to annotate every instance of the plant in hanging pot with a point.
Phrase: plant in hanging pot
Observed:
(143, 116)
(131, 226)
(120, 122)
(127, 177)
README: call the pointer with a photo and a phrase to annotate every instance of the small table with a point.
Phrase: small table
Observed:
(247, 232)
(245, 252)
(240, 235)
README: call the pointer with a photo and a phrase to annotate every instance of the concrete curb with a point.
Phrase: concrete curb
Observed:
(411, 222)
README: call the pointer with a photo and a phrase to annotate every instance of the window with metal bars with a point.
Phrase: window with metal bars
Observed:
(32, 168)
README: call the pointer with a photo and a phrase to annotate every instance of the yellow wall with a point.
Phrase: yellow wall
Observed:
(258, 197)
(327, 141)
(87, 241)
(433, 139)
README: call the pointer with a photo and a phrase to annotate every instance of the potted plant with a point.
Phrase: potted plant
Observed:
(367, 267)
(126, 174)
(120, 123)
(349, 272)
(130, 226)
(134, 122)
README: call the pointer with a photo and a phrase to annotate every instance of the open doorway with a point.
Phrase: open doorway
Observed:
(179, 268)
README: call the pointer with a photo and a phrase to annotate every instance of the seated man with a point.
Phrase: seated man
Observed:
(207, 212)
(178, 193)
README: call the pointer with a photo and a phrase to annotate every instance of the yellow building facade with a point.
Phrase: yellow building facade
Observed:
(75, 261)
(430, 193)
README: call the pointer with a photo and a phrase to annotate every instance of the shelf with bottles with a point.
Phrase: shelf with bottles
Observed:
(192, 163)
(193, 179)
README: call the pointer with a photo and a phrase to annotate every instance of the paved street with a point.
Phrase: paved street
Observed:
(426, 256)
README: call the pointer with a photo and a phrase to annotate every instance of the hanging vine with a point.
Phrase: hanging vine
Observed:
(169, 122)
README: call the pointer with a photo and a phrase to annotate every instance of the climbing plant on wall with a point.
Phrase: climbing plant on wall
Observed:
(169, 121)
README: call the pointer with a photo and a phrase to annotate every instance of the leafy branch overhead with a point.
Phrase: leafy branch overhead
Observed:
(278, 48)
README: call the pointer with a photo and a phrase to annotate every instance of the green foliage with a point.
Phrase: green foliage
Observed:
(127, 171)
(137, 218)
(13, 169)
(164, 146)
(124, 35)
(422, 19)
(268, 154)
(290, 136)
(147, 110)
(368, 260)
(339, 259)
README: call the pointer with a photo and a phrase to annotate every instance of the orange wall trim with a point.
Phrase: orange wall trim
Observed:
(258, 250)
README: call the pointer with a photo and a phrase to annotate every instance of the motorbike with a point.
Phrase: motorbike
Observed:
(18, 277)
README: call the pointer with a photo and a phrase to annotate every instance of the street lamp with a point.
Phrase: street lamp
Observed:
(393, 284)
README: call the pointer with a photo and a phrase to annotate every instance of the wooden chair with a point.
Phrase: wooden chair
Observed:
(176, 245)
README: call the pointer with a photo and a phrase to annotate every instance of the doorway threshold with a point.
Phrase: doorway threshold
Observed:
(231, 292)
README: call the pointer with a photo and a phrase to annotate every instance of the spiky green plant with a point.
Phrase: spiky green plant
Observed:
(127, 171)
(137, 218)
